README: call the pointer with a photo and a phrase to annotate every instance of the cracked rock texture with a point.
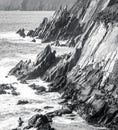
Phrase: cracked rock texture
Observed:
(87, 78)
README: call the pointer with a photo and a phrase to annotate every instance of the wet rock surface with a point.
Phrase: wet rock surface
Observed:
(22, 102)
(87, 78)
(60, 112)
(64, 25)
(38, 121)
(31, 70)
(83, 93)
(38, 88)
(8, 89)
(21, 32)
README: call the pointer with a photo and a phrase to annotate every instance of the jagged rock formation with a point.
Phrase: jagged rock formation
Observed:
(38, 122)
(30, 70)
(64, 25)
(70, 24)
(21, 32)
(88, 77)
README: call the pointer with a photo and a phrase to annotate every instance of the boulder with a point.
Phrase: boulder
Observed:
(48, 107)
(33, 119)
(14, 93)
(40, 122)
(31, 33)
(21, 32)
(2, 91)
(8, 87)
(38, 110)
(60, 112)
(34, 40)
(37, 87)
(40, 91)
(22, 102)
(20, 122)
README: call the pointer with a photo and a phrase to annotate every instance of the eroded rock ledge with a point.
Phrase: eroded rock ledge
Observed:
(88, 77)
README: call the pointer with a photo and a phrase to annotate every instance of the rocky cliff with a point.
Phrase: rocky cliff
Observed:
(88, 76)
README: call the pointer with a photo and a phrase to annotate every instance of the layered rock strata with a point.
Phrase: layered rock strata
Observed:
(87, 78)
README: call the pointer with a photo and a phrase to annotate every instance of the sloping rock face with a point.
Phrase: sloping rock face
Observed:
(69, 24)
(62, 26)
(30, 70)
(88, 77)
(91, 84)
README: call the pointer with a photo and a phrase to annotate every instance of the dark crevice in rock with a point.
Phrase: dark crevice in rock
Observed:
(64, 25)
(83, 87)
(113, 2)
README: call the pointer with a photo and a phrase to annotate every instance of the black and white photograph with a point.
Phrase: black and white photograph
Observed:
(58, 64)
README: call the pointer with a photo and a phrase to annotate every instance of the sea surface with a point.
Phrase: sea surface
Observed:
(13, 48)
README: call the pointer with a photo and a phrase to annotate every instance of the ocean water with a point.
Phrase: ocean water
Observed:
(13, 48)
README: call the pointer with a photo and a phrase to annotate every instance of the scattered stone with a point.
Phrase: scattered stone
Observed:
(3, 92)
(48, 107)
(41, 122)
(8, 89)
(38, 110)
(41, 89)
(33, 119)
(23, 81)
(14, 93)
(20, 122)
(37, 87)
(34, 40)
(22, 102)
(31, 33)
(59, 112)
(21, 32)
(32, 86)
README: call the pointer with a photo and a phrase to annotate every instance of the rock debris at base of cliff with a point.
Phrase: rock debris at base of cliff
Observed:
(87, 78)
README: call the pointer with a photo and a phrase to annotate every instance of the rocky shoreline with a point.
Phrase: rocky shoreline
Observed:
(87, 78)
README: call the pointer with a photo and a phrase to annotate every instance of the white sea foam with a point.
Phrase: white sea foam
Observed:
(10, 111)
(15, 38)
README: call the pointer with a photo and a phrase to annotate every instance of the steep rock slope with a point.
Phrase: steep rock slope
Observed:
(88, 77)
(69, 24)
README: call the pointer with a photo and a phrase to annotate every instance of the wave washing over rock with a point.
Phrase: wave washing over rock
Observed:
(86, 78)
